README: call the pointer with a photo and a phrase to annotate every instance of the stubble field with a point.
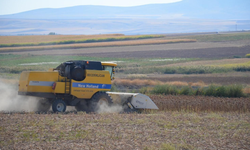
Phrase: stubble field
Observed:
(159, 130)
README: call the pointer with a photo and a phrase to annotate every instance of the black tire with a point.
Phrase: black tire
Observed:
(59, 106)
(82, 106)
(43, 105)
(98, 99)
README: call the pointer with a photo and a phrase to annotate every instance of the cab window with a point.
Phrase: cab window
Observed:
(110, 69)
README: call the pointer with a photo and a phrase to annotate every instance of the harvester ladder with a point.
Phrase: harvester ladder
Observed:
(67, 86)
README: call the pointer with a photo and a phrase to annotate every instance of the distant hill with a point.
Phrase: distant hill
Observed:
(198, 9)
(180, 17)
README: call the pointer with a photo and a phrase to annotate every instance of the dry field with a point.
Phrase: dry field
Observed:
(181, 50)
(221, 62)
(50, 38)
(207, 79)
(184, 79)
(127, 85)
(183, 122)
(94, 44)
(207, 46)
(140, 83)
(161, 130)
(174, 50)
(201, 103)
(142, 52)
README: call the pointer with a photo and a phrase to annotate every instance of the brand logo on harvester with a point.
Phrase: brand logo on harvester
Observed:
(91, 85)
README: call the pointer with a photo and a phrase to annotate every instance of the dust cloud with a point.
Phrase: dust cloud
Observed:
(11, 101)
(105, 108)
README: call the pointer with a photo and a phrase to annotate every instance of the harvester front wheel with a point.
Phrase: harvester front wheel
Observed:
(98, 100)
(59, 106)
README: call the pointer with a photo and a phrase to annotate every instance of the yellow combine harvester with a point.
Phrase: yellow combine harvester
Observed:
(83, 84)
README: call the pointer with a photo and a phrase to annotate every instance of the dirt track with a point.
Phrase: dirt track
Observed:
(178, 50)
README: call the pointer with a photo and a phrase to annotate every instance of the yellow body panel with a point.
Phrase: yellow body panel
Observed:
(42, 82)
(95, 81)
(60, 87)
(38, 89)
(43, 76)
(23, 82)
(39, 82)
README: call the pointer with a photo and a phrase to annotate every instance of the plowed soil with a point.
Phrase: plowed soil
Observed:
(177, 50)
(218, 52)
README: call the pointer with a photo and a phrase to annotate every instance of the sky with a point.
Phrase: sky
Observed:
(16, 6)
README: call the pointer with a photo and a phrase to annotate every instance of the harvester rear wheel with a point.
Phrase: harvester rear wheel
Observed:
(59, 106)
(100, 98)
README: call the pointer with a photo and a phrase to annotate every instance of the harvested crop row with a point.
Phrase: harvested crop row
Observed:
(123, 38)
(49, 38)
(96, 44)
(201, 103)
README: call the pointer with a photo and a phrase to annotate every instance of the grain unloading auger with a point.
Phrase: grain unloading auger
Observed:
(83, 84)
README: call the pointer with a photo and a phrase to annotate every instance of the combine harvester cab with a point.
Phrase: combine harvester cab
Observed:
(83, 84)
